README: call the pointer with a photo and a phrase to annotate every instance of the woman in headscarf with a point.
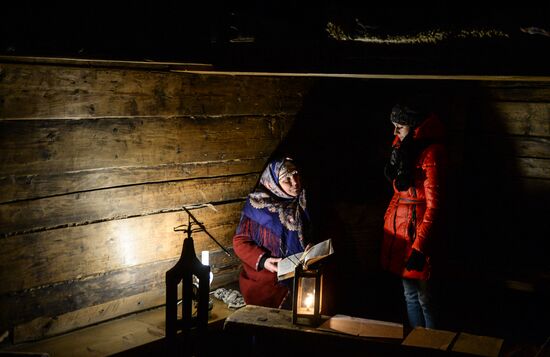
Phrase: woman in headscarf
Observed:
(416, 171)
(272, 227)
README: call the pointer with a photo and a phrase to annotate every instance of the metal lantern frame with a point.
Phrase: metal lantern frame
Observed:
(185, 334)
(307, 280)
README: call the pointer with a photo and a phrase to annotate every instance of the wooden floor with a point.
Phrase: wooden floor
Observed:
(114, 337)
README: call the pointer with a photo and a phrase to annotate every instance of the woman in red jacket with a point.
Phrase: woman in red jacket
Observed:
(272, 227)
(415, 170)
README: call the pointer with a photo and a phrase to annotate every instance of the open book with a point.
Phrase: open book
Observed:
(285, 268)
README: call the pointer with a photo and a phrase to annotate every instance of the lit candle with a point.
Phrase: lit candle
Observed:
(205, 260)
(308, 301)
(205, 257)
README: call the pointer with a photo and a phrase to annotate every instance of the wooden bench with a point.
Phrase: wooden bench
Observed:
(270, 332)
(139, 334)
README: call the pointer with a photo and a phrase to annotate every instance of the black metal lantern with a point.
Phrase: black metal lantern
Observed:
(308, 295)
(195, 278)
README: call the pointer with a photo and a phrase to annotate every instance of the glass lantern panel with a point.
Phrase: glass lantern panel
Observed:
(306, 296)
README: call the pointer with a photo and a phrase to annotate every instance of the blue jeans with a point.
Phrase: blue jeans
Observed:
(421, 309)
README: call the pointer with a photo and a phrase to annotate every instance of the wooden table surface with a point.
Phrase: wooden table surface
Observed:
(253, 316)
(270, 329)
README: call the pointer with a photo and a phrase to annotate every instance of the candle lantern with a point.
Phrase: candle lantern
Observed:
(308, 291)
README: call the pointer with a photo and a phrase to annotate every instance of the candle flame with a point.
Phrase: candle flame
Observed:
(308, 301)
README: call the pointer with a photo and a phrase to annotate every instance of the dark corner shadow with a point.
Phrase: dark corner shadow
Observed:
(342, 139)
(339, 138)
(494, 216)
(495, 221)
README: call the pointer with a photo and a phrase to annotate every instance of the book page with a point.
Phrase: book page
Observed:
(285, 268)
(319, 250)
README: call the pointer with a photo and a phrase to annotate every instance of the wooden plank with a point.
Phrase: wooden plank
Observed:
(430, 338)
(78, 293)
(519, 118)
(118, 335)
(227, 276)
(479, 114)
(104, 340)
(148, 65)
(383, 76)
(47, 326)
(517, 90)
(362, 327)
(69, 146)
(209, 68)
(63, 254)
(273, 325)
(36, 91)
(260, 317)
(102, 205)
(531, 167)
(72, 295)
(532, 189)
(503, 118)
(50, 184)
(277, 322)
(533, 147)
(478, 345)
(504, 146)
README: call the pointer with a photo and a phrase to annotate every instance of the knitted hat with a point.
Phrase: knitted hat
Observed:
(405, 115)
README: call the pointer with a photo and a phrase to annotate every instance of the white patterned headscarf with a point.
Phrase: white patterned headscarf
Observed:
(269, 194)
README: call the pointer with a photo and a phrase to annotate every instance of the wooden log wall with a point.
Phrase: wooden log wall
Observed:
(97, 160)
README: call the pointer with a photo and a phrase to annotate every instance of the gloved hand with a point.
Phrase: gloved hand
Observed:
(390, 169)
(416, 261)
(404, 176)
(403, 181)
(400, 166)
(390, 172)
(395, 156)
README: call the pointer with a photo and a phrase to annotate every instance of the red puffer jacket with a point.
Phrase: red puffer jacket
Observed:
(410, 217)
